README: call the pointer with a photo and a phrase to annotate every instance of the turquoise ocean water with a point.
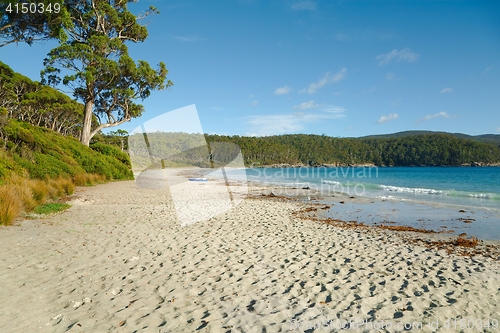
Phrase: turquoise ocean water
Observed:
(438, 198)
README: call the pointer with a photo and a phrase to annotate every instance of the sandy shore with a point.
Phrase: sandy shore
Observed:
(119, 261)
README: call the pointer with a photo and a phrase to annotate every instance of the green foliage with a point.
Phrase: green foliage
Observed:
(50, 208)
(110, 150)
(117, 138)
(38, 105)
(45, 154)
(19, 27)
(7, 166)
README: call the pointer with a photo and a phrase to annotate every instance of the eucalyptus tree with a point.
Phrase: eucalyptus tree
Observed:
(92, 59)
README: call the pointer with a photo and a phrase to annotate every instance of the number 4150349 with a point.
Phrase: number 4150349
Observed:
(33, 8)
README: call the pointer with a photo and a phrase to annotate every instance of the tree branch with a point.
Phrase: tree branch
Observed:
(106, 125)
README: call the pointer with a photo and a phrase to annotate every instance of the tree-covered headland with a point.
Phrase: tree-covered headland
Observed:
(429, 149)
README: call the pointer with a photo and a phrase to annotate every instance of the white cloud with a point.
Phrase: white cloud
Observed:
(487, 71)
(306, 105)
(282, 91)
(350, 128)
(436, 115)
(324, 107)
(333, 109)
(255, 103)
(446, 90)
(304, 5)
(402, 55)
(327, 78)
(287, 123)
(188, 38)
(341, 37)
(390, 76)
(498, 130)
(385, 119)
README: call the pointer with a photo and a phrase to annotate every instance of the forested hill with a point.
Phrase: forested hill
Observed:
(487, 138)
(416, 150)
(302, 149)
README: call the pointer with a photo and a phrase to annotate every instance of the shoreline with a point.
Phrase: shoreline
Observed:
(456, 218)
(119, 260)
(321, 206)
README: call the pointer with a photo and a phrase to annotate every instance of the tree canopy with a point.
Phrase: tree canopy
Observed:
(92, 59)
(35, 21)
(39, 105)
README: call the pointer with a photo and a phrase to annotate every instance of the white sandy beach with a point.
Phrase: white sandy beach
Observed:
(119, 261)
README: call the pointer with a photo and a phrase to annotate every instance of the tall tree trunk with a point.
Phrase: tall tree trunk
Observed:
(87, 122)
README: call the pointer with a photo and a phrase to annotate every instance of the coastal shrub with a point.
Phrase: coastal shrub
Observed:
(25, 135)
(104, 165)
(112, 151)
(7, 166)
(46, 154)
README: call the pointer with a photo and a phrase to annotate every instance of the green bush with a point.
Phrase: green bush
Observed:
(46, 154)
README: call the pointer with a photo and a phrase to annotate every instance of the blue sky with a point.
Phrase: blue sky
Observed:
(340, 68)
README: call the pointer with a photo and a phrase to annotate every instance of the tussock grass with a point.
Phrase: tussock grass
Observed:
(55, 189)
(80, 179)
(87, 179)
(23, 190)
(97, 179)
(40, 190)
(10, 205)
(67, 185)
(21, 194)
